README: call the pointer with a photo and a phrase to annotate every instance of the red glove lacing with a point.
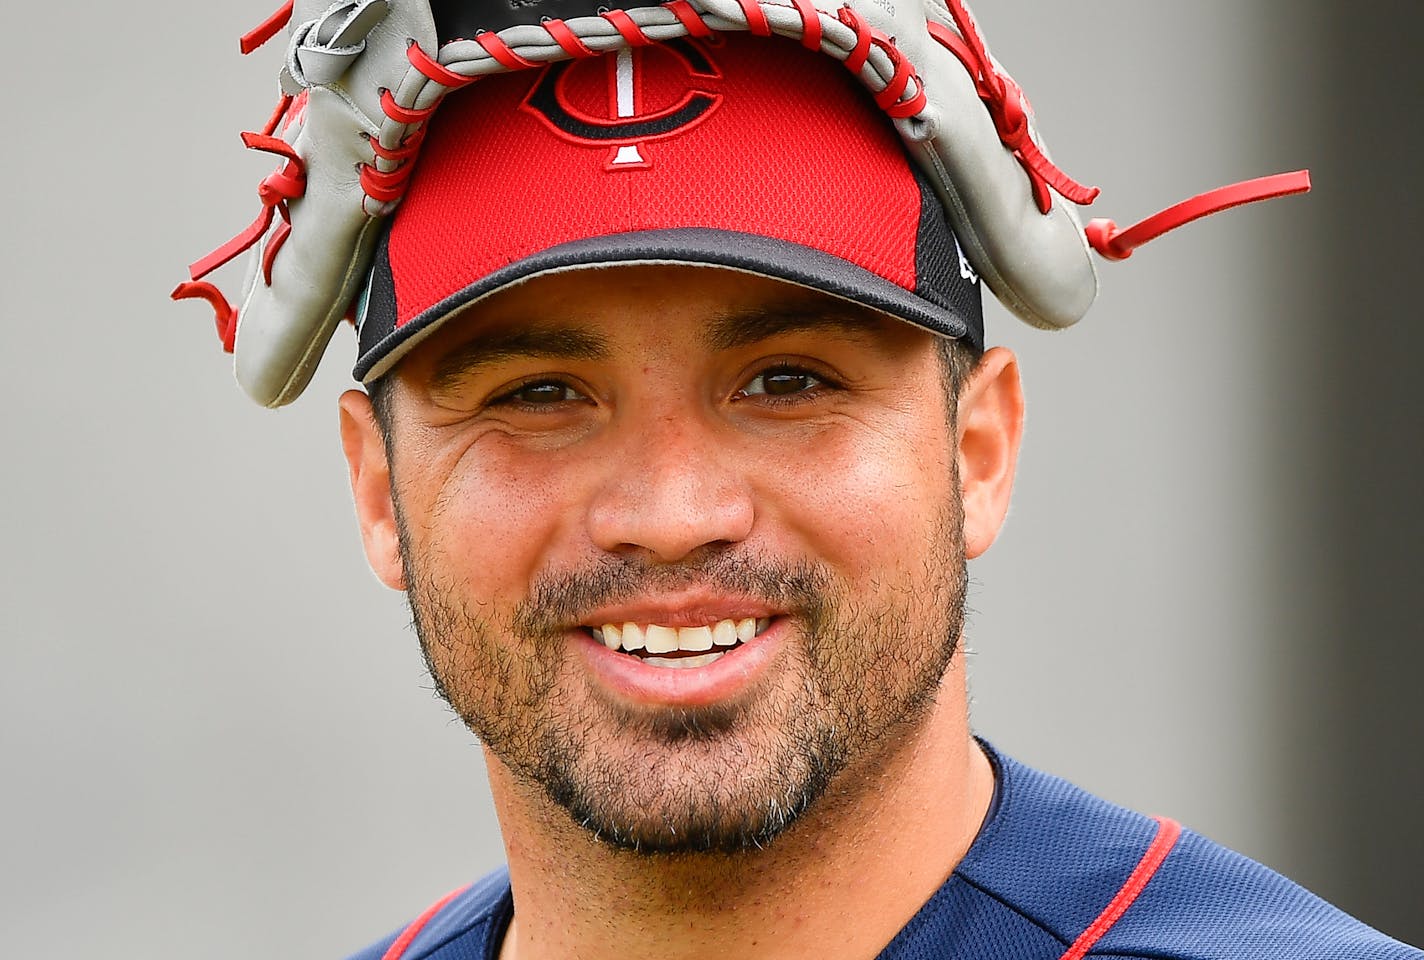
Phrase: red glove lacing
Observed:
(1001, 96)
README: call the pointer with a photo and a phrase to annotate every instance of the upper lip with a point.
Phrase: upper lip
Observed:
(682, 610)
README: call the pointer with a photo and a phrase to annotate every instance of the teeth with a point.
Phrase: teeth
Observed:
(724, 634)
(656, 638)
(694, 638)
(684, 663)
(661, 639)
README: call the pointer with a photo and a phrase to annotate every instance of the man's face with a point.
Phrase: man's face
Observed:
(762, 475)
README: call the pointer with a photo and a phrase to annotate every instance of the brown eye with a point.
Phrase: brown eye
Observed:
(541, 393)
(782, 382)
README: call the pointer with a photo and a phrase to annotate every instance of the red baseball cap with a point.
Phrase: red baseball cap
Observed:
(747, 153)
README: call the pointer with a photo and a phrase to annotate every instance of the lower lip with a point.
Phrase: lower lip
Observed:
(639, 683)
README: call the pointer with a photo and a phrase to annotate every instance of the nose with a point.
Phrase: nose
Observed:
(670, 488)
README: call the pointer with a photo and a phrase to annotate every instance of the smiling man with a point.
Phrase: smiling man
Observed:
(685, 552)
(682, 519)
(678, 432)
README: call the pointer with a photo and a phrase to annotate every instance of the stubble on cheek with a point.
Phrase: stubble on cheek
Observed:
(723, 779)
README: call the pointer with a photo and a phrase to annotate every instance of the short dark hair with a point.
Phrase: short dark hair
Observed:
(380, 393)
(957, 361)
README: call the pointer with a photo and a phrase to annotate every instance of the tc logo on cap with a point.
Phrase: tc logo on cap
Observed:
(623, 101)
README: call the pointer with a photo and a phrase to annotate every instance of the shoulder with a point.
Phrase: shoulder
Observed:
(1058, 865)
(467, 924)
(1210, 901)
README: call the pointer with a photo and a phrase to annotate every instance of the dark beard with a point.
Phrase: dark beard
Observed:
(867, 674)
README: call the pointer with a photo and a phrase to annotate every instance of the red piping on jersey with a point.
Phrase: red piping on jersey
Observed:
(1168, 832)
(402, 942)
(1116, 244)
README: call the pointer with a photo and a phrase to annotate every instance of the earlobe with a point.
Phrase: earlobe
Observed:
(365, 450)
(990, 426)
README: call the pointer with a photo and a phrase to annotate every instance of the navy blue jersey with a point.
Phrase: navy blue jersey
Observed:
(1055, 874)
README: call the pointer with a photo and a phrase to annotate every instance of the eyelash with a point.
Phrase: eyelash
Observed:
(510, 397)
(820, 383)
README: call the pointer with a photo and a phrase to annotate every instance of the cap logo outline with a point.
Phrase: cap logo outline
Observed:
(627, 128)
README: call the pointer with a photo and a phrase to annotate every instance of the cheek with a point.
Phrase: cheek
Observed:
(866, 496)
(493, 517)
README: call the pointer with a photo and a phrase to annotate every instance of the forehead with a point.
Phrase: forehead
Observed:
(603, 313)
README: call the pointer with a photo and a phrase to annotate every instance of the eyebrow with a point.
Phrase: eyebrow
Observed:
(724, 332)
(732, 330)
(497, 346)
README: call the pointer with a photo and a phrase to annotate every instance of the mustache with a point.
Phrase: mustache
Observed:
(557, 601)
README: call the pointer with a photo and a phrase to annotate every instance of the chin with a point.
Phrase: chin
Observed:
(696, 790)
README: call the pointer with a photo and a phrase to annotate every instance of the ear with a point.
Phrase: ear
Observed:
(990, 426)
(365, 450)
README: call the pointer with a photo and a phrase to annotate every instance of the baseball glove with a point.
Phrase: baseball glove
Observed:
(362, 78)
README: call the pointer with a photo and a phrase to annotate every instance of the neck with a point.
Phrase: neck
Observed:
(881, 839)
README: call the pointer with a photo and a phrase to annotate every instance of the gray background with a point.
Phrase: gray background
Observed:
(216, 736)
